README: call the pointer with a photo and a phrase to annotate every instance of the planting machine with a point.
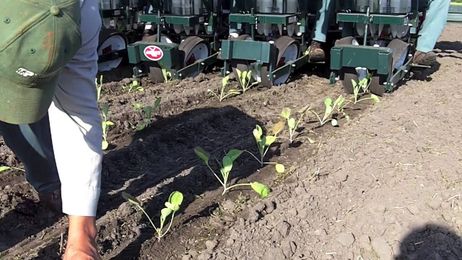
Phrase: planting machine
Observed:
(120, 26)
(380, 38)
(182, 40)
(269, 38)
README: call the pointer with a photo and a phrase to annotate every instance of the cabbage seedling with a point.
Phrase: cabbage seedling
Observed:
(225, 169)
(264, 143)
(105, 124)
(147, 113)
(245, 80)
(99, 87)
(134, 86)
(362, 86)
(293, 123)
(330, 107)
(171, 207)
(167, 75)
(222, 92)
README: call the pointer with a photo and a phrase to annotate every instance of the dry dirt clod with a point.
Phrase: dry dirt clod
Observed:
(382, 248)
(274, 254)
(346, 239)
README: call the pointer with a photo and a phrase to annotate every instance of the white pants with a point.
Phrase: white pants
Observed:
(75, 122)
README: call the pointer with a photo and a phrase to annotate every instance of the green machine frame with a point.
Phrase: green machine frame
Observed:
(379, 60)
(172, 61)
(259, 52)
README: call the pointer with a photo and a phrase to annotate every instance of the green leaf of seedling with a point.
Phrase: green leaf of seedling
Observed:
(286, 113)
(339, 101)
(176, 198)
(291, 123)
(249, 75)
(156, 103)
(239, 73)
(269, 140)
(328, 108)
(131, 198)
(375, 98)
(164, 213)
(328, 102)
(224, 81)
(261, 189)
(4, 168)
(233, 154)
(227, 167)
(171, 206)
(104, 145)
(280, 168)
(202, 154)
(257, 133)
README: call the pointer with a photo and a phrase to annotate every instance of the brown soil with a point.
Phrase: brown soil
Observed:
(384, 185)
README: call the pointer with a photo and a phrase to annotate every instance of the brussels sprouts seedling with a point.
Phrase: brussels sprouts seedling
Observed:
(225, 169)
(134, 86)
(147, 114)
(167, 75)
(293, 123)
(105, 124)
(264, 143)
(222, 92)
(330, 107)
(245, 80)
(172, 205)
(362, 86)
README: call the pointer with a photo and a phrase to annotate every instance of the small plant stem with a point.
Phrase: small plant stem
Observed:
(255, 157)
(216, 176)
(168, 228)
(146, 214)
(238, 185)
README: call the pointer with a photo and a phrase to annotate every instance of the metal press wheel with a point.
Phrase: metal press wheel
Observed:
(241, 66)
(348, 74)
(155, 74)
(194, 48)
(288, 50)
(111, 45)
(400, 52)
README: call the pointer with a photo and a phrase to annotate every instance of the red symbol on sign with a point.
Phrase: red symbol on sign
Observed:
(153, 53)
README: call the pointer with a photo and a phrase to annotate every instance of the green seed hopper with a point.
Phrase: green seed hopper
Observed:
(269, 38)
(182, 39)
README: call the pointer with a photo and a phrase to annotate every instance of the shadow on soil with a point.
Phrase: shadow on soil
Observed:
(431, 242)
(162, 157)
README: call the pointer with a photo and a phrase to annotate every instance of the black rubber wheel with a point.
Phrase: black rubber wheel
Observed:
(114, 50)
(400, 52)
(347, 84)
(194, 48)
(376, 85)
(283, 44)
(155, 74)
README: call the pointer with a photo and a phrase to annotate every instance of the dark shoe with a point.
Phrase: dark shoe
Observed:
(316, 52)
(424, 58)
(51, 200)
